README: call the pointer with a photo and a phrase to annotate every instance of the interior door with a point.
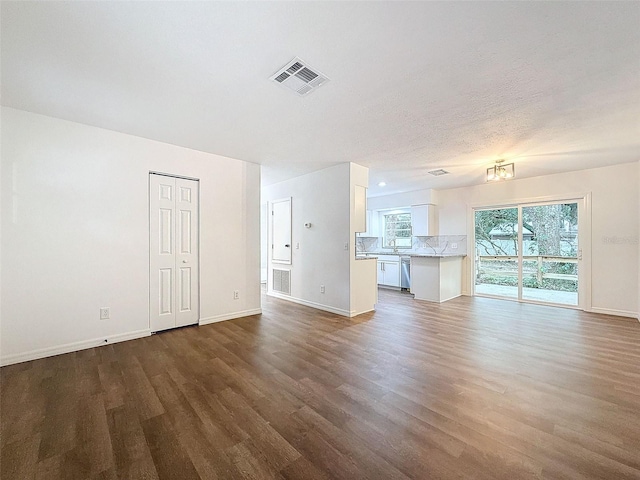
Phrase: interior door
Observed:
(173, 256)
(281, 231)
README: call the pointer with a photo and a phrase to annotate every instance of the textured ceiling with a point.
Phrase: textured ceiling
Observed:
(414, 86)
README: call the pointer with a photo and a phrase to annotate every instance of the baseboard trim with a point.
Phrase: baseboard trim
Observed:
(229, 316)
(617, 313)
(71, 347)
(307, 303)
(355, 314)
(451, 298)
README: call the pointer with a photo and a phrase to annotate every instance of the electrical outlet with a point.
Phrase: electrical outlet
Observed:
(104, 313)
(236, 294)
(454, 246)
(346, 245)
(321, 288)
(297, 245)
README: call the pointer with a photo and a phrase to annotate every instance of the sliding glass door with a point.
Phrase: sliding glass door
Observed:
(497, 252)
(550, 253)
(528, 252)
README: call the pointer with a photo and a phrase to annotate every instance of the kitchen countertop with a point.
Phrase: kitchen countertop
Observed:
(365, 255)
(437, 254)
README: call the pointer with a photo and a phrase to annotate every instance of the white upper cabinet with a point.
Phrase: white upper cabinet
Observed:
(424, 221)
(369, 232)
(360, 209)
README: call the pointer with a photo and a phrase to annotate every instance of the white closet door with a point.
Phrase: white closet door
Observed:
(186, 252)
(173, 256)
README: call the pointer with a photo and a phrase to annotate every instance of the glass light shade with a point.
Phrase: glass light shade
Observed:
(500, 172)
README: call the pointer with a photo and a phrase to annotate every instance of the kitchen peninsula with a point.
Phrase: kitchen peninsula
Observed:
(436, 278)
(436, 265)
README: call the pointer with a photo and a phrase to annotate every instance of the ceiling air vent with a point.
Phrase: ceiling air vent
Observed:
(437, 173)
(299, 77)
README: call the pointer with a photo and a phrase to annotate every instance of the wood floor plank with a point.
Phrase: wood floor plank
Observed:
(58, 428)
(21, 386)
(169, 457)
(113, 389)
(368, 463)
(20, 458)
(140, 393)
(131, 455)
(279, 452)
(303, 469)
(472, 388)
(251, 462)
(94, 441)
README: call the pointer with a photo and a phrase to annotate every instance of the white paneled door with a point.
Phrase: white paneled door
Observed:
(281, 231)
(173, 258)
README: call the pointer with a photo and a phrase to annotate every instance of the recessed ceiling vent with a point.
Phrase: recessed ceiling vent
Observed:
(299, 77)
(437, 173)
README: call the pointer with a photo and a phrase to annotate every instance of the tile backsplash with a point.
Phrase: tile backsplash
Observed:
(436, 245)
(441, 244)
(366, 244)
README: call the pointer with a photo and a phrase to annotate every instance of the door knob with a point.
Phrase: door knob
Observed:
(287, 245)
(185, 261)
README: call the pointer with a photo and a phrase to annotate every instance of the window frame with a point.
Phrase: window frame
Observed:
(385, 233)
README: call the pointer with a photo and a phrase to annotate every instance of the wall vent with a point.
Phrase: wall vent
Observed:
(282, 281)
(299, 77)
(437, 173)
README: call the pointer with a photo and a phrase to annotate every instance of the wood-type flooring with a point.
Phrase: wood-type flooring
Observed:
(473, 388)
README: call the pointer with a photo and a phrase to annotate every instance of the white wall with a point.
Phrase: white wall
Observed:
(326, 199)
(399, 200)
(323, 199)
(76, 233)
(615, 224)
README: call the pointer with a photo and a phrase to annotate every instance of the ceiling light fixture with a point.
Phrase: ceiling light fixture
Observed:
(500, 171)
(382, 184)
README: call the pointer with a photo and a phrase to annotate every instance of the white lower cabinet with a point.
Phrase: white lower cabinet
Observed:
(389, 273)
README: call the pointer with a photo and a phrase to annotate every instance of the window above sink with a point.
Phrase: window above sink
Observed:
(396, 230)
